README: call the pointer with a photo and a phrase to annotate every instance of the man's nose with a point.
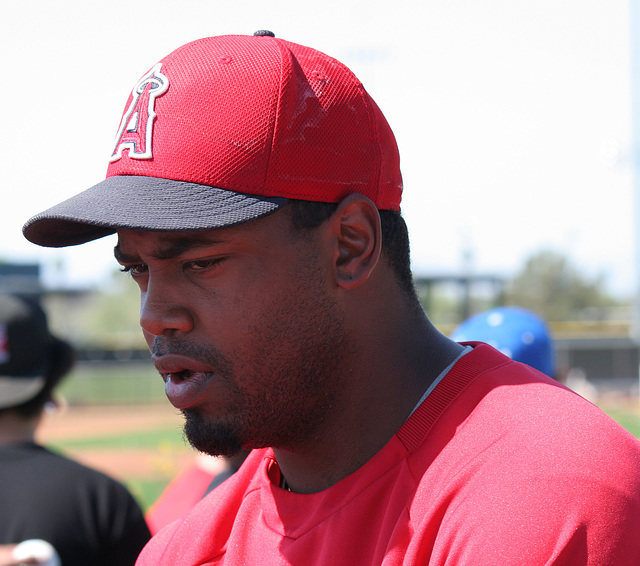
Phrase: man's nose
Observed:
(162, 312)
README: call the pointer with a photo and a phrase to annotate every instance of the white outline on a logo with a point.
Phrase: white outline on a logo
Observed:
(160, 84)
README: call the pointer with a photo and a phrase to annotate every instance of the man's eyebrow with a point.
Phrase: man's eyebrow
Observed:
(121, 257)
(171, 248)
(175, 247)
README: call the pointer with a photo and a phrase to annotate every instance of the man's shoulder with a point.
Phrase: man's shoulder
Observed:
(504, 413)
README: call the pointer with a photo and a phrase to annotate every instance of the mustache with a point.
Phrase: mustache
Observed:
(207, 354)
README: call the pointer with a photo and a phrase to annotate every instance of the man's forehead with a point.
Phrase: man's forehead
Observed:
(165, 245)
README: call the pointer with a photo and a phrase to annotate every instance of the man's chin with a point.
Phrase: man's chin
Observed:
(215, 439)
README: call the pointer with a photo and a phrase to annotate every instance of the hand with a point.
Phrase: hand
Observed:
(6, 555)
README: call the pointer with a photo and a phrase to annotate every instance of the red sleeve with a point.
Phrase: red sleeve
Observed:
(186, 489)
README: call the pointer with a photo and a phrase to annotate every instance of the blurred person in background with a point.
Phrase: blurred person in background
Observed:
(518, 333)
(525, 337)
(88, 517)
(189, 486)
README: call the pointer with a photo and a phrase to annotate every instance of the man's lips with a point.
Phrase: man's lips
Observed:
(176, 363)
(185, 379)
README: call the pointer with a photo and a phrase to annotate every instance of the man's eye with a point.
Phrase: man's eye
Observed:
(203, 264)
(134, 270)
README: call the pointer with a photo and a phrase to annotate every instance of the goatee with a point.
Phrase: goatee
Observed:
(219, 440)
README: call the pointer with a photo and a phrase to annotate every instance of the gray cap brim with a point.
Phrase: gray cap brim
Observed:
(143, 203)
(17, 390)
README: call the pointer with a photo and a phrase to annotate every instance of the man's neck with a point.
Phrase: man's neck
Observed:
(16, 429)
(375, 405)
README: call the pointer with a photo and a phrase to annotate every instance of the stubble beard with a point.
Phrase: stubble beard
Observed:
(291, 386)
(219, 439)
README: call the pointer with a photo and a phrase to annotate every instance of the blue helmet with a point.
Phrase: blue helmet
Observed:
(514, 331)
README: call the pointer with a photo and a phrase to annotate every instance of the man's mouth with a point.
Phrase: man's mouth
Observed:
(176, 364)
(177, 375)
(185, 379)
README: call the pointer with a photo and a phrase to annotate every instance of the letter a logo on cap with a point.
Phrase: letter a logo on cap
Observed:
(136, 127)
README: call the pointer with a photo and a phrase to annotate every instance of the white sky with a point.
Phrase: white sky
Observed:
(512, 116)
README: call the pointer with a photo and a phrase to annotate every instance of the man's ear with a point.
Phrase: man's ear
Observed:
(355, 226)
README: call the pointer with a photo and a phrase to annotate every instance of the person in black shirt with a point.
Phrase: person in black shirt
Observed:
(87, 516)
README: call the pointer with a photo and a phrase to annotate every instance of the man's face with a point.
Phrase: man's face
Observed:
(244, 327)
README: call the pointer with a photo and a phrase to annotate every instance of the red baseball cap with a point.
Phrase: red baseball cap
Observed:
(224, 130)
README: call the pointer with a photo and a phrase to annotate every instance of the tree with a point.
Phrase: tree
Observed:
(107, 317)
(551, 286)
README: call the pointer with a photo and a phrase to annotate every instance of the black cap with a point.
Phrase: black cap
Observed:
(25, 347)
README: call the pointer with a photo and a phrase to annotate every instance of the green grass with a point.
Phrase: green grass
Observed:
(628, 419)
(146, 491)
(118, 383)
(166, 437)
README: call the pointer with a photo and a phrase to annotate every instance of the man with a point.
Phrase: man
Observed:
(255, 189)
(86, 516)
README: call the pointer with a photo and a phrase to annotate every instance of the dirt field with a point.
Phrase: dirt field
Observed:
(76, 423)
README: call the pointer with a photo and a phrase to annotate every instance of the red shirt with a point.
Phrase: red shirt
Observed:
(186, 489)
(500, 465)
